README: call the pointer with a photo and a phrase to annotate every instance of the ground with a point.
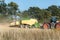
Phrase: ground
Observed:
(5, 26)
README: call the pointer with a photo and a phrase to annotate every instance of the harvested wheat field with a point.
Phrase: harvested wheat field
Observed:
(7, 33)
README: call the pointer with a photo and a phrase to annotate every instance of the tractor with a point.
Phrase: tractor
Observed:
(54, 23)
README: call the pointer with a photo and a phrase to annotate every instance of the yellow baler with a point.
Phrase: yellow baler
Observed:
(29, 22)
(22, 22)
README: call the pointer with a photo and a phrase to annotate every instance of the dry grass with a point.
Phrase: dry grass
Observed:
(29, 34)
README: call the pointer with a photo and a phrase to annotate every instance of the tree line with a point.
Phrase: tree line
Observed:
(33, 12)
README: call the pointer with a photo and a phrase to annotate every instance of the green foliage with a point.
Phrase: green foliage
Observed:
(55, 10)
(13, 5)
(33, 12)
(46, 14)
(37, 25)
(3, 8)
(26, 19)
(42, 14)
(25, 14)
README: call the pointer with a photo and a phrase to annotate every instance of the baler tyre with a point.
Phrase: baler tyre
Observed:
(11, 26)
(21, 26)
(25, 26)
(33, 26)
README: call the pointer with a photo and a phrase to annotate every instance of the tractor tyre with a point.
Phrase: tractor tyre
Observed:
(57, 26)
(46, 26)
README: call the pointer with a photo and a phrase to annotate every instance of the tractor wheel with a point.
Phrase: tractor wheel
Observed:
(57, 26)
(46, 26)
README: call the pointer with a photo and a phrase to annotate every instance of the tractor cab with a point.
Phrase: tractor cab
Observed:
(53, 19)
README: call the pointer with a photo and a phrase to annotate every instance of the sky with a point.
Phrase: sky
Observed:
(25, 4)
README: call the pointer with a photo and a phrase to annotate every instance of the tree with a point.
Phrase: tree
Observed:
(13, 7)
(54, 10)
(25, 14)
(46, 15)
(58, 12)
(35, 12)
(3, 6)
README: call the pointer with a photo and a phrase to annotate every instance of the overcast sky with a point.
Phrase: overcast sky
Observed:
(25, 4)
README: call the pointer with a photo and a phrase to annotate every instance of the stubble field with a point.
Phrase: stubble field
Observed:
(14, 33)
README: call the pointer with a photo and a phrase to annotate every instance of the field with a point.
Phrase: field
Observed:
(7, 33)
